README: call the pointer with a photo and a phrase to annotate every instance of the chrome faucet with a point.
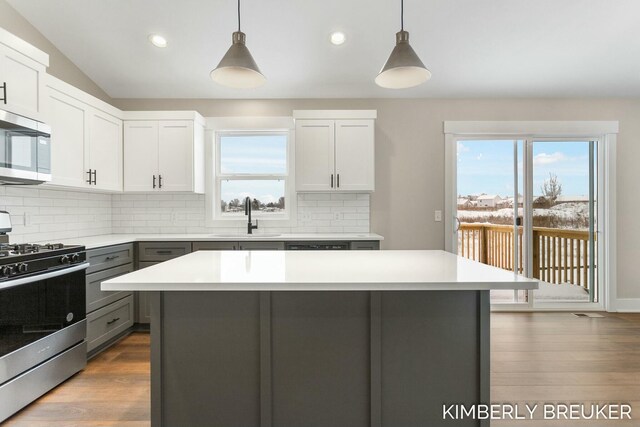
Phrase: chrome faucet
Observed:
(247, 211)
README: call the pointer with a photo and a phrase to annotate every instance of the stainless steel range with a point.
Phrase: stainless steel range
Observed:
(42, 320)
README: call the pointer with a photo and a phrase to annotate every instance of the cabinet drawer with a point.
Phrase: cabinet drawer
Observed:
(215, 246)
(97, 298)
(109, 257)
(365, 245)
(109, 321)
(162, 251)
(261, 246)
(146, 264)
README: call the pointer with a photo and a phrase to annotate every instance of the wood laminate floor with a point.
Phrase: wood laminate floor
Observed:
(536, 357)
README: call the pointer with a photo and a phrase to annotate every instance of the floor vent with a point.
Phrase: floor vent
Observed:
(596, 315)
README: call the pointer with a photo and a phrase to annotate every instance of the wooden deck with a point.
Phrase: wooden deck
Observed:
(536, 357)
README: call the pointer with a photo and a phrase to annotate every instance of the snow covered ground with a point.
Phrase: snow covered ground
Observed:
(565, 215)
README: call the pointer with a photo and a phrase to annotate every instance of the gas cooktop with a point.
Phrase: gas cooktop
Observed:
(27, 258)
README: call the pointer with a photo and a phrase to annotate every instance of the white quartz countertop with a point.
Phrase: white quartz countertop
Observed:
(93, 242)
(318, 271)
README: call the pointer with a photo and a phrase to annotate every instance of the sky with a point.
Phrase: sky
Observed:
(487, 167)
(250, 154)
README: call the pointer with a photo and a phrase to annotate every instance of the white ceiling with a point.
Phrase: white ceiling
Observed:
(475, 48)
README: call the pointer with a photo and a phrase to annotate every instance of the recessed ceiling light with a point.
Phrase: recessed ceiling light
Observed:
(157, 40)
(338, 37)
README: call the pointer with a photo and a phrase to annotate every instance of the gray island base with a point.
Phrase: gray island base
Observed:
(317, 359)
(330, 339)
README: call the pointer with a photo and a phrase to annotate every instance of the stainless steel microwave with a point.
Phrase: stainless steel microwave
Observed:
(25, 150)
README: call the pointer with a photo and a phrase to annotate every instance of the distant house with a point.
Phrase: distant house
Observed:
(463, 202)
(508, 202)
(488, 200)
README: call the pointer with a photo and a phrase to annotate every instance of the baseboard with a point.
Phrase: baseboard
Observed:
(627, 305)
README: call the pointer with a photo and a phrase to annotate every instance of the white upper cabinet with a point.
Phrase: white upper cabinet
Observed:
(164, 155)
(175, 155)
(22, 73)
(68, 120)
(86, 139)
(140, 142)
(315, 142)
(335, 151)
(105, 151)
(355, 155)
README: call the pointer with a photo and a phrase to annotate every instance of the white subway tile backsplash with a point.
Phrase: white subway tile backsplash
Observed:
(40, 214)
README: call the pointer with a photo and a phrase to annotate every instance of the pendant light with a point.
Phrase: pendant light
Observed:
(237, 69)
(403, 69)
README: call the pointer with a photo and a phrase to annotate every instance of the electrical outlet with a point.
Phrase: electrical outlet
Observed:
(438, 216)
(174, 217)
(306, 216)
(338, 216)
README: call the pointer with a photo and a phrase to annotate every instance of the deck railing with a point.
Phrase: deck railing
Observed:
(559, 255)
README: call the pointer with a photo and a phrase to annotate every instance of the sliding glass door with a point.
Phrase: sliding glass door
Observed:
(530, 206)
(490, 206)
(564, 220)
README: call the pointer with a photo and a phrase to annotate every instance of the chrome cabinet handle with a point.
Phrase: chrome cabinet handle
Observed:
(112, 257)
(159, 181)
(331, 180)
(154, 181)
(113, 321)
(95, 177)
(89, 181)
(4, 92)
(164, 252)
(338, 180)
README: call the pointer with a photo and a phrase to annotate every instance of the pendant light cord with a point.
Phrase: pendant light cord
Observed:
(401, 15)
(238, 15)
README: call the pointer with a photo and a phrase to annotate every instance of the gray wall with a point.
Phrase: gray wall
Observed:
(59, 65)
(410, 157)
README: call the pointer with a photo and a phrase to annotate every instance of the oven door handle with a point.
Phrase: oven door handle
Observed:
(43, 276)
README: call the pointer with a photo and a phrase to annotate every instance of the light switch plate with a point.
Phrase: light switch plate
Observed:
(438, 216)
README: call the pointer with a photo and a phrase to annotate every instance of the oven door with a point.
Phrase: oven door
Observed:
(40, 316)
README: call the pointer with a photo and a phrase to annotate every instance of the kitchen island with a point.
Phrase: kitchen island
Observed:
(329, 338)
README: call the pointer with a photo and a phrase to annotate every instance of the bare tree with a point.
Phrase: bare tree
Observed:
(551, 188)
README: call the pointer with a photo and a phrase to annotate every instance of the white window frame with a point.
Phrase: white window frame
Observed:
(605, 132)
(217, 127)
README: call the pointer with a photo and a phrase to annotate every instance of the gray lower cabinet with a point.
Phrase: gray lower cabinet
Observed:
(215, 246)
(151, 253)
(373, 245)
(107, 263)
(241, 245)
(261, 246)
(108, 322)
(162, 251)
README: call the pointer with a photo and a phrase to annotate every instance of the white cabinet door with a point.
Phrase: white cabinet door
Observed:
(67, 118)
(24, 79)
(105, 150)
(315, 141)
(140, 155)
(175, 155)
(355, 155)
